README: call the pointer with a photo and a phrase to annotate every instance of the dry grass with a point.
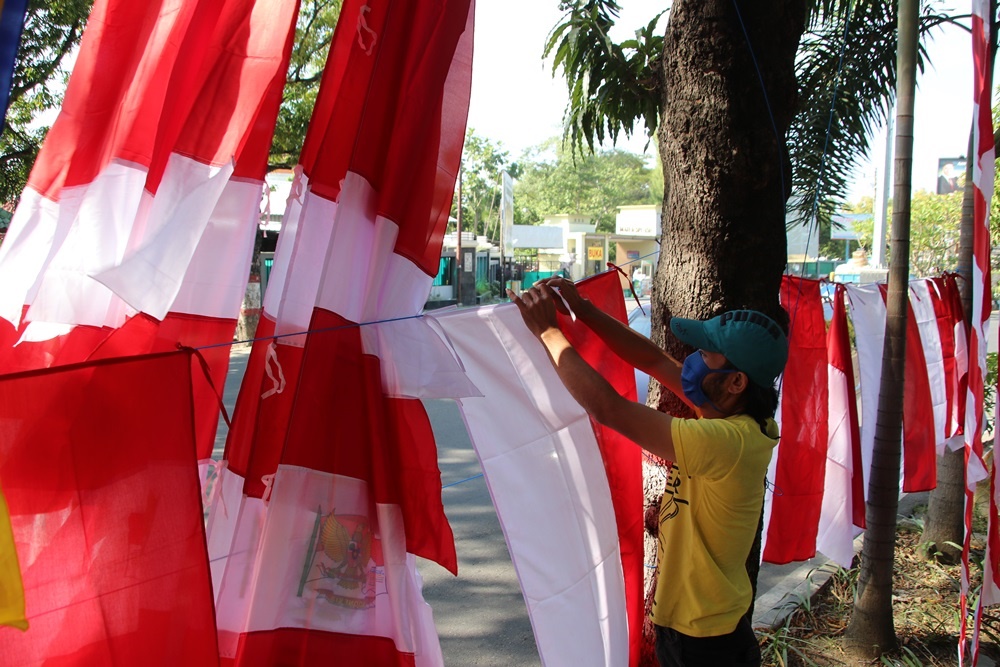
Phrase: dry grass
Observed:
(926, 615)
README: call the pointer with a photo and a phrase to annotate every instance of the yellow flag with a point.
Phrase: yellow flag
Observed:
(11, 589)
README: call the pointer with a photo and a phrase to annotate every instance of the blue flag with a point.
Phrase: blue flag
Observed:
(11, 22)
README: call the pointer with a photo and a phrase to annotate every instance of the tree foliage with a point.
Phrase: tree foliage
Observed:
(611, 86)
(313, 36)
(483, 161)
(595, 184)
(846, 72)
(935, 221)
(52, 30)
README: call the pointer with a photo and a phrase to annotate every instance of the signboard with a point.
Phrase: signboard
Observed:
(632, 254)
(595, 253)
(951, 175)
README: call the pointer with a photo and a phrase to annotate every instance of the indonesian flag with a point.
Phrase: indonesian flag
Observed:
(843, 511)
(330, 487)
(919, 466)
(793, 519)
(983, 167)
(105, 506)
(567, 491)
(136, 229)
(952, 332)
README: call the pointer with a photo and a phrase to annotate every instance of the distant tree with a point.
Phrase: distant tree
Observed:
(553, 181)
(313, 36)
(935, 222)
(52, 30)
(483, 161)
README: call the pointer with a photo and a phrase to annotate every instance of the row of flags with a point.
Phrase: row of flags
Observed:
(134, 239)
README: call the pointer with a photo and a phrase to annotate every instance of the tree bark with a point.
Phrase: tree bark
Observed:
(871, 632)
(729, 94)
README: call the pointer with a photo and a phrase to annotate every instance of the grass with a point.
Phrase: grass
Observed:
(926, 615)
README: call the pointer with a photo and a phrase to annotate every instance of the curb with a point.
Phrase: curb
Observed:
(802, 584)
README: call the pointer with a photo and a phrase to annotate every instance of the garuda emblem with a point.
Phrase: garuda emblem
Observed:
(339, 564)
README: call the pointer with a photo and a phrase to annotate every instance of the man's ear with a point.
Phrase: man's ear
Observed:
(738, 383)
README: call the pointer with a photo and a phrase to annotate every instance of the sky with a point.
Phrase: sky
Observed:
(516, 101)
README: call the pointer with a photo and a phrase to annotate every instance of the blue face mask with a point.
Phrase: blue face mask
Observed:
(693, 374)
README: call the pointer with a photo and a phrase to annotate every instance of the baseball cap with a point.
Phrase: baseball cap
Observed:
(750, 340)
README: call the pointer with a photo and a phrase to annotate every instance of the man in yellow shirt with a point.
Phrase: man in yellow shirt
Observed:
(715, 488)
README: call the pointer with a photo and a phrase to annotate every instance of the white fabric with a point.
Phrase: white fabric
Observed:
(364, 280)
(161, 246)
(285, 250)
(538, 450)
(54, 248)
(216, 279)
(868, 316)
(415, 361)
(836, 533)
(290, 566)
(109, 249)
(930, 341)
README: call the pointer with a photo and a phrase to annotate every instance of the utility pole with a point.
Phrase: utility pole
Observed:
(459, 264)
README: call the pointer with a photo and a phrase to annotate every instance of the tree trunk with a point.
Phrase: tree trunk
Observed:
(871, 632)
(246, 325)
(729, 95)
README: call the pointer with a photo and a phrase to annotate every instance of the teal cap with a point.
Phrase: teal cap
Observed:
(750, 340)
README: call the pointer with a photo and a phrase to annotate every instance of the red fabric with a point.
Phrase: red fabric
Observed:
(839, 347)
(622, 458)
(105, 505)
(919, 454)
(290, 647)
(342, 423)
(940, 299)
(396, 115)
(801, 466)
(151, 80)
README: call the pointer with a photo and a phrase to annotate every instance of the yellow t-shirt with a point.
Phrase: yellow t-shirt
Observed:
(708, 518)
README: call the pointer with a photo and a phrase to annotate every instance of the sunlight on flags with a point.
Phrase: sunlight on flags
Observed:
(105, 508)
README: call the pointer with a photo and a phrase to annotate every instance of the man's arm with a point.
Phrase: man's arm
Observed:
(633, 348)
(648, 428)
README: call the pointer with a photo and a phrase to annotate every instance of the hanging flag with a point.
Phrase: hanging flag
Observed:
(136, 229)
(105, 507)
(12, 13)
(925, 318)
(843, 510)
(983, 167)
(793, 519)
(951, 328)
(919, 465)
(330, 444)
(568, 492)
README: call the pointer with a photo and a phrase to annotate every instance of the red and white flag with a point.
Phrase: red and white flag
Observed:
(105, 507)
(567, 491)
(983, 167)
(919, 465)
(800, 459)
(331, 487)
(136, 228)
(843, 512)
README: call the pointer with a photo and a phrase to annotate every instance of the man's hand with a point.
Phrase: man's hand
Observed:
(567, 290)
(538, 308)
